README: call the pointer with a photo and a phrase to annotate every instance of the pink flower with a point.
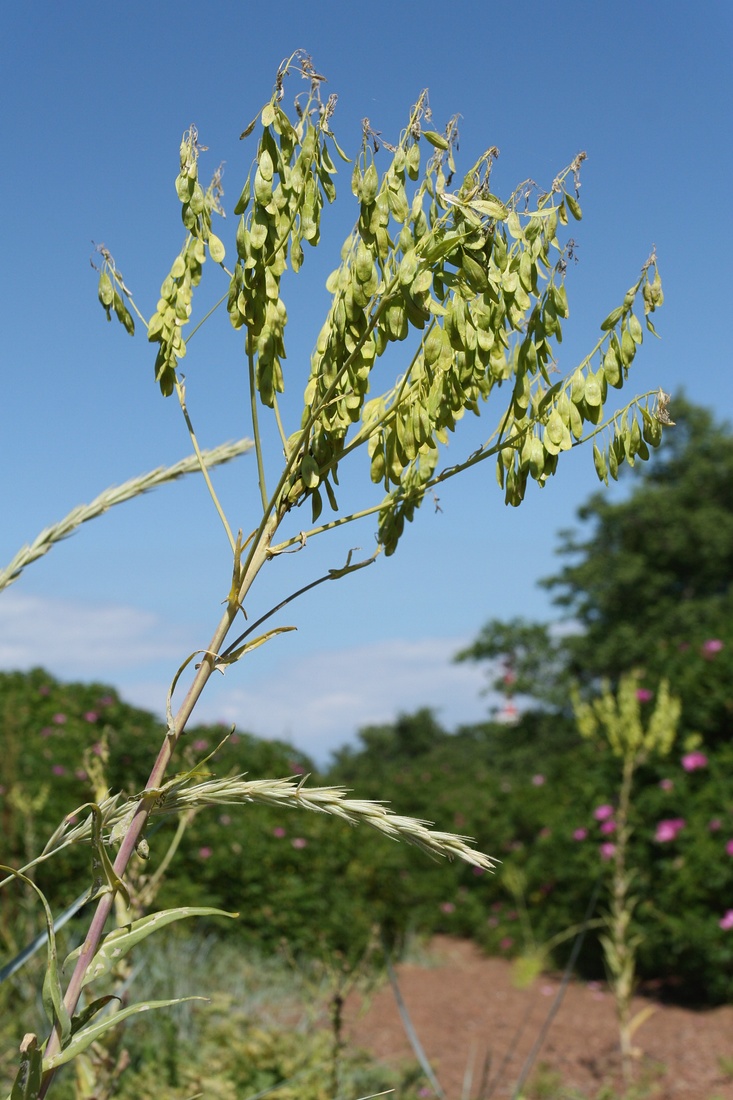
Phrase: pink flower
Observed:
(644, 695)
(225, 819)
(44, 689)
(691, 761)
(608, 850)
(714, 824)
(80, 774)
(666, 784)
(668, 829)
(601, 813)
(278, 831)
(580, 834)
(296, 769)
(726, 922)
(205, 852)
(91, 716)
(478, 870)
(608, 827)
(106, 701)
(506, 943)
(299, 842)
(729, 848)
(538, 780)
(447, 907)
(711, 647)
(58, 769)
(544, 833)
(200, 745)
(59, 719)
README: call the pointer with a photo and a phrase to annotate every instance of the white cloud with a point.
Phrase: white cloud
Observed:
(319, 702)
(81, 640)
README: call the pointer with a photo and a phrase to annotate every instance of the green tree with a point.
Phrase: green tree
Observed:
(647, 586)
(470, 289)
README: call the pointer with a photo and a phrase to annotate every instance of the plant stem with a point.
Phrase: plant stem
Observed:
(149, 796)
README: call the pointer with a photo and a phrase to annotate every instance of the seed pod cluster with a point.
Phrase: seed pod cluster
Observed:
(464, 291)
(543, 422)
(279, 208)
(110, 297)
(173, 310)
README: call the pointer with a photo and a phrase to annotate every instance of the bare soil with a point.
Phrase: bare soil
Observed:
(467, 1011)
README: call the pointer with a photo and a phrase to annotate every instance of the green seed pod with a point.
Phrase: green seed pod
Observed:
(369, 186)
(105, 290)
(635, 329)
(309, 472)
(412, 161)
(599, 462)
(216, 249)
(593, 392)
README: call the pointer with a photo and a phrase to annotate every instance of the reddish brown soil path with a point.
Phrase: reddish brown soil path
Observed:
(464, 1006)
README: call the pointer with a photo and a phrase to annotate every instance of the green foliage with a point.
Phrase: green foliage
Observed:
(648, 589)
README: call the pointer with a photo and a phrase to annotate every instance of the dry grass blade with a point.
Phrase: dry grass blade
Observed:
(326, 800)
(177, 797)
(116, 495)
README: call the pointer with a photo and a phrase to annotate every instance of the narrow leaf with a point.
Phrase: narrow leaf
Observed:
(118, 942)
(83, 1039)
(27, 1083)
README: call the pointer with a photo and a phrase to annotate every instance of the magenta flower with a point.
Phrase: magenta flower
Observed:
(91, 716)
(644, 695)
(299, 842)
(729, 848)
(715, 824)
(601, 813)
(447, 907)
(59, 719)
(608, 827)
(278, 831)
(711, 647)
(666, 784)
(580, 834)
(80, 774)
(726, 922)
(668, 829)
(205, 852)
(538, 780)
(58, 769)
(506, 943)
(691, 761)
(477, 870)
(200, 745)
(608, 850)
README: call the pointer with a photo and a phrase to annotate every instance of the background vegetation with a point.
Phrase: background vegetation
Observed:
(647, 587)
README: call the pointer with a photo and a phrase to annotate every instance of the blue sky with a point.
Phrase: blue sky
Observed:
(95, 100)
